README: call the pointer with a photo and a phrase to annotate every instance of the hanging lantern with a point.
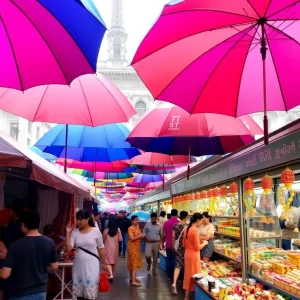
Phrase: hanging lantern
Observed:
(217, 192)
(203, 194)
(197, 196)
(210, 193)
(233, 188)
(288, 178)
(267, 183)
(223, 191)
(249, 185)
(193, 196)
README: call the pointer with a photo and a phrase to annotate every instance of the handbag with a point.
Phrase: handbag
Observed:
(104, 285)
(89, 252)
(176, 243)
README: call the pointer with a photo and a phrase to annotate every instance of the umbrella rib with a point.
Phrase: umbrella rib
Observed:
(40, 103)
(253, 8)
(278, 78)
(14, 55)
(86, 101)
(197, 59)
(236, 108)
(276, 12)
(58, 63)
(250, 28)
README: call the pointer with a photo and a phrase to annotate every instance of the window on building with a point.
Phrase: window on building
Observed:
(29, 127)
(140, 108)
(14, 130)
(38, 132)
(117, 51)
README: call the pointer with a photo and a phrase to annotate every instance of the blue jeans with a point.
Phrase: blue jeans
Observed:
(123, 244)
(170, 263)
(41, 296)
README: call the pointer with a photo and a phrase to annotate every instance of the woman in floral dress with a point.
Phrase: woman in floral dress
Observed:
(134, 261)
(179, 257)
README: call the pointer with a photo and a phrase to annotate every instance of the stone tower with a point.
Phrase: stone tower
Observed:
(117, 37)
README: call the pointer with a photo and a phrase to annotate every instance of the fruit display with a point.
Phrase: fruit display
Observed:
(228, 248)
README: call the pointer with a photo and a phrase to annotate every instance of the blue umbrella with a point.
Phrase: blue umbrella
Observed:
(103, 143)
(142, 215)
(83, 22)
(44, 155)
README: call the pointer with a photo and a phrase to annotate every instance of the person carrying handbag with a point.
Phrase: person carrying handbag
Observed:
(177, 239)
(90, 251)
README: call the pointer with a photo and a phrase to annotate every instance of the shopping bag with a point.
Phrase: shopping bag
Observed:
(104, 285)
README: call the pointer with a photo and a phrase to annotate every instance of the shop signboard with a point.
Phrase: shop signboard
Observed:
(280, 151)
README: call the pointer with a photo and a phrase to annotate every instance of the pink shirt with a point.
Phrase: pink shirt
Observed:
(168, 228)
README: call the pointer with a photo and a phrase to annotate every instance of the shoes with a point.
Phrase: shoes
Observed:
(154, 273)
(174, 290)
(148, 267)
(111, 279)
(123, 256)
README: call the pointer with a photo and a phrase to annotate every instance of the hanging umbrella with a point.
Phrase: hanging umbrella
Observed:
(44, 155)
(43, 42)
(89, 100)
(102, 175)
(173, 131)
(142, 215)
(144, 170)
(141, 180)
(232, 57)
(115, 166)
(104, 143)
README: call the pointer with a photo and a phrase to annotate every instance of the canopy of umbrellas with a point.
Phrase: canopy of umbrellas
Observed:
(213, 74)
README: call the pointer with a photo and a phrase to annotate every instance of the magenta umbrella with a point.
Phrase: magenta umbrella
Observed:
(226, 57)
(90, 100)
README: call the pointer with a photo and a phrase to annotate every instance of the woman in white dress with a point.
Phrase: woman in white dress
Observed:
(89, 247)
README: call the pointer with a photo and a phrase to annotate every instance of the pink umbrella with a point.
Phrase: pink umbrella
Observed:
(114, 166)
(227, 57)
(90, 100)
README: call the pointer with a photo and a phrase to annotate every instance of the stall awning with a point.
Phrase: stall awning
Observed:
(12, 154)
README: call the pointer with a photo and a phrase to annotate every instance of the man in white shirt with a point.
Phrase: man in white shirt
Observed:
(162, 218)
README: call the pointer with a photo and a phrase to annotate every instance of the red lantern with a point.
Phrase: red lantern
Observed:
(233, 188)
(197, 196)
(288, 178)
(249, 184)
(223, 191)
(210, 193)
(193, 196)
(217, 192)
(203, 194)
(267, 183)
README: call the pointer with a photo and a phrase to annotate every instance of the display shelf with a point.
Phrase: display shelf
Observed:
(271, 286)
(228, 257)
(259, 217)
(231, 236)
(227, 217)
(266, 238)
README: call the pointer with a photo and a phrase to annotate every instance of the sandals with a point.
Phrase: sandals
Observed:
(138, 281)
(136, 284)
(174, 290)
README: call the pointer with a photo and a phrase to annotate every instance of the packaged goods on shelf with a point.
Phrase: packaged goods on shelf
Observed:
(219, 269)
(228, 248)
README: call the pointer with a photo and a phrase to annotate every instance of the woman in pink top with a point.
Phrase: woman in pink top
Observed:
(111, 238)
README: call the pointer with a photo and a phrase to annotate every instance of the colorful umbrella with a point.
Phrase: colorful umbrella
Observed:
(102, 175)
(141, 180)
(232, 57)
(44, 155)
(112, 167)
(89, 100)
(43, 42)
(142, 215)
(173, 131)
(104, 143)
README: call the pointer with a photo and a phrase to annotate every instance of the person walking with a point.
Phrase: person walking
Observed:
(111, 238)
(134, 260)
(192, 245)
(167, 238)
(179, 252)
(162, 218)
(89, 247)
(123, 223)
(26, 264)
(153, 234)
(207, 232)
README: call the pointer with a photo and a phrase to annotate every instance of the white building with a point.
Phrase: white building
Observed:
(116, 66)
(22, 130)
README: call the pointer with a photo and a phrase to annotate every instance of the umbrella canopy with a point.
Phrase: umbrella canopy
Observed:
(102, 175)
(42, 42)
(44, 155)
(112, 167)
(142, 215)
(104, 143)
(89, 100)
(141, 180)
(144, 170)
(174, 131)
(232, 57)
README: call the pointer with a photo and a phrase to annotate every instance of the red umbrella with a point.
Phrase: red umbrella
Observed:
(228, 57)
(90, 100)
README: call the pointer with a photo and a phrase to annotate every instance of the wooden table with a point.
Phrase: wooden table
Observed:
(62, 277)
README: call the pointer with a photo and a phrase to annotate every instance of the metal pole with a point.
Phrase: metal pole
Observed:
(66, 148)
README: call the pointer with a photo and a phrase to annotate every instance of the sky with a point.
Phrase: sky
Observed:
(139, 16)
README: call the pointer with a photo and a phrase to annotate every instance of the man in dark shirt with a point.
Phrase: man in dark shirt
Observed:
(26, 265)
(123, 223)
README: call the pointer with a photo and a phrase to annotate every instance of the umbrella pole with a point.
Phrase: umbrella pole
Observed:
(263, 51)
(66, 148)
(189, 168)
(163, 177)
(95, 174)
